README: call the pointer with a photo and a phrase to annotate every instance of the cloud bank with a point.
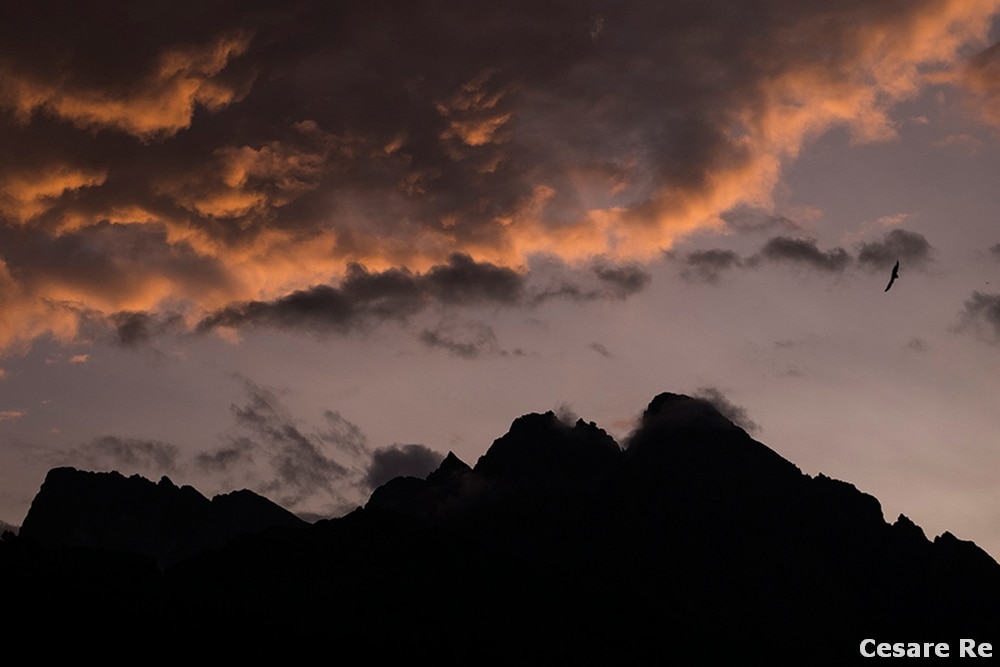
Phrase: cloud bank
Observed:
(235, 168)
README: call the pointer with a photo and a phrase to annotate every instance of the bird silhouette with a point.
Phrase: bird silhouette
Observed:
(895, 274)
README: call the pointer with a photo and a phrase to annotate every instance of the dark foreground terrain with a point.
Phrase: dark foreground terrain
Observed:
(694, 544)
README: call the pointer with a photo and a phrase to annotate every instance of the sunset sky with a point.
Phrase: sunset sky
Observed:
(298, 247)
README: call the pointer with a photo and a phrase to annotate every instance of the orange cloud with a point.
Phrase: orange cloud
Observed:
(980, 78)
(245, 181)
(159, 105)
(24, 317)
(26, 195)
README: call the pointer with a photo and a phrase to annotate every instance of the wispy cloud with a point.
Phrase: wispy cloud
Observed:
(131, 455)
(981, 316)
(9, 415)
(734, 413)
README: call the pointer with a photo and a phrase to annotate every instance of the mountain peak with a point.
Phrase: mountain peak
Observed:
(167, 523)
(542, 445)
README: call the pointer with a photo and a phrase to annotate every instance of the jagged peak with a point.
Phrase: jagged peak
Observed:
(449, 467)
(541, 443)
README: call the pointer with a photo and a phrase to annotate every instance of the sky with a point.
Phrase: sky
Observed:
(302, 248)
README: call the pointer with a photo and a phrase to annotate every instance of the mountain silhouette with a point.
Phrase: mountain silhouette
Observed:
(161, 521)
(695, 543)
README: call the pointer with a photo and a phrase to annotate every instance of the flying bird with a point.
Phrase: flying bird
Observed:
(895, 274)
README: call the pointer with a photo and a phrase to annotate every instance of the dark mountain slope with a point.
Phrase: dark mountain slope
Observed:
(164, 522)
(696, 544)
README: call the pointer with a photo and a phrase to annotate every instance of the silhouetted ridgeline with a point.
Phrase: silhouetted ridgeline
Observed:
(695, 543)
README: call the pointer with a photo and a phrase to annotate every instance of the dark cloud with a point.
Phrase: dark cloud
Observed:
(132, 328)
(981, 316)
(463, 280)
(995, 250)
(320, 308)
(566, 290)
(707, 266)
(624, 280)
(401, 461)
(394, 293)
(364, 297)
(911, 249)
(734, 413)
(803, 252)
(468, 340)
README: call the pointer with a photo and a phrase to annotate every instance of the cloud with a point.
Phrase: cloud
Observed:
(601, 350)
(707, 266)
(158, 101)
(237, 453)
(364, 298)
(745, 219)
(601, 280)
(995, 250)
(231, 167)
(468, 340)
(9, 415)
(624, 280)
(981, 316)
(463, 280)
(401, 461)
(302, 465)
(909, 248)
(979, 77)
(734, 413)
(319, 308)
(803, 252)
(128, 455)
(131, 328)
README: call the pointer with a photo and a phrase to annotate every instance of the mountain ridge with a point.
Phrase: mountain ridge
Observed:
(724, 543)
